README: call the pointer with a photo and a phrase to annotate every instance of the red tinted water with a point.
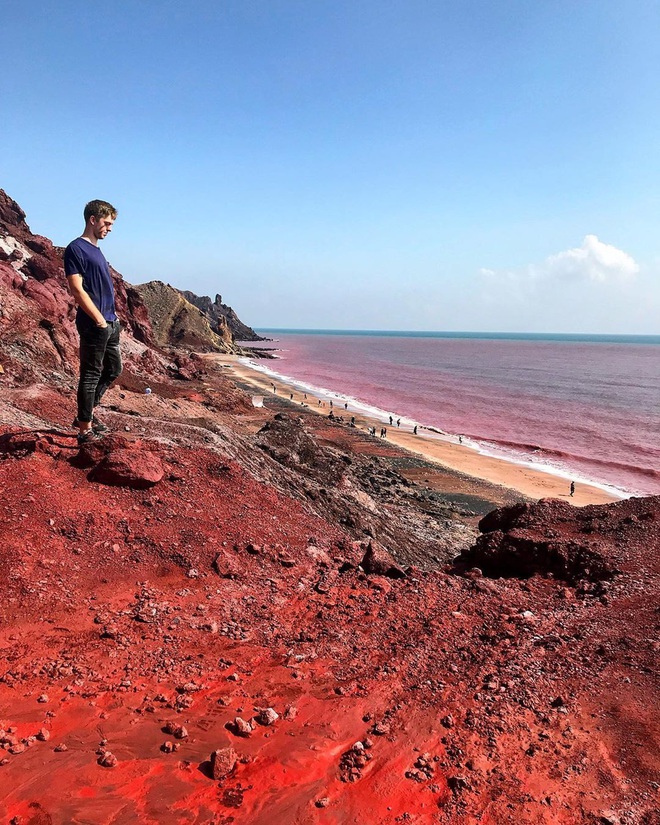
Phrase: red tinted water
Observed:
(592, 409)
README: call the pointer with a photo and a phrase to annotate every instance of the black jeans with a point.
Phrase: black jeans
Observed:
(100, 365)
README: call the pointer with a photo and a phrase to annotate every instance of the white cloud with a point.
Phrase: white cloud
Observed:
(594, 261)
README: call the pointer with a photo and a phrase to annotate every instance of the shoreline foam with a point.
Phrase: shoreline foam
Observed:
(533, 479)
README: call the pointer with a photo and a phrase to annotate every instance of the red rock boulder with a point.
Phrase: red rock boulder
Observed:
(138, 469)
(377, 561)
(223, 762)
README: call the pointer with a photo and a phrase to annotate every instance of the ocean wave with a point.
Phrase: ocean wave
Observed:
(485, 446)
(568, 457)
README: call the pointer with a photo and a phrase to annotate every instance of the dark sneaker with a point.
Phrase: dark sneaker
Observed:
(88, 437)
(97, 426)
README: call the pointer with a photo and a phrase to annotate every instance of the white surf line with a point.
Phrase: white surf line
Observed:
(433, 432)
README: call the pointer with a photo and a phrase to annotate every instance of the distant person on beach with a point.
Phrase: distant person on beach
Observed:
(460, 439)
(384, 432)
(346, 405)
(88, 276)
(391, 421)
(415, 430)
(398, 422)
(291, 396)
(572, 488)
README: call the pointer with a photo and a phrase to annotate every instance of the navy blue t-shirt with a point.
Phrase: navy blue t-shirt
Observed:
(83, 258)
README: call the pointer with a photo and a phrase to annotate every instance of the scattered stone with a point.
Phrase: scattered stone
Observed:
(176, 730)
(239, 727)
(43, 698)
(377, 561)
(209, 627)
(43, 735)
(227, 566)
(107, 760)
(323, 802)
(267, 716)
(458, 783)
(223, 762)
(189, 687)
(183, 702)
(167, 746)
(60, 748)
(352, 763)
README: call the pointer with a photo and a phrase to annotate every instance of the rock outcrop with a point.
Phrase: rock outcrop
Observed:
(551, 538)
(176, 322)
(218, 313)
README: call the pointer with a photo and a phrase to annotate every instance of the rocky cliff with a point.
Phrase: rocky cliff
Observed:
(177, 322)
(219, 313)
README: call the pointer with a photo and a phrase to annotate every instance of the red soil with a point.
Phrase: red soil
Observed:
(114, 609)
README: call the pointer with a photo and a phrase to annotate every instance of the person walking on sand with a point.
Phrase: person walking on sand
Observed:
(572, 489)
(90, 283)
(415, 430)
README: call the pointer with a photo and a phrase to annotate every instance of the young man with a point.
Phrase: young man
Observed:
(90, 284)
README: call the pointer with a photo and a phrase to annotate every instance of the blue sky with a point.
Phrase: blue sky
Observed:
(365, 164)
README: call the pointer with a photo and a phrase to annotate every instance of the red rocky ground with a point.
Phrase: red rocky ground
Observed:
(445, 696)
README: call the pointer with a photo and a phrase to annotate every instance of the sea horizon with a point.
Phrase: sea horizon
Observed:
(582, 337)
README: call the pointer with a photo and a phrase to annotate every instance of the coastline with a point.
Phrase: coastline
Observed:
(531, 482)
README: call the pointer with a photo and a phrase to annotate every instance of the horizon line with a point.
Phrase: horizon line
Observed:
(459, 332)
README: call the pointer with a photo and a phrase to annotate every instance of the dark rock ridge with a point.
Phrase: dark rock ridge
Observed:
(177, 322)
(552, 538)
(219, 313)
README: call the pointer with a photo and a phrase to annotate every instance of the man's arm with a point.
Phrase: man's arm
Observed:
(84, 301)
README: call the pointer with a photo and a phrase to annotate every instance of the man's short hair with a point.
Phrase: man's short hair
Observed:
(99, 209)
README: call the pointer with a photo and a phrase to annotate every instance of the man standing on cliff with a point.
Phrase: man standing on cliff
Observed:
(90, 283)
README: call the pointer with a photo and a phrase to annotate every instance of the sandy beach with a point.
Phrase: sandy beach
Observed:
(530, 482)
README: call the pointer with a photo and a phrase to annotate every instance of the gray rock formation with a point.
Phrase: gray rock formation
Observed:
(216, 311)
